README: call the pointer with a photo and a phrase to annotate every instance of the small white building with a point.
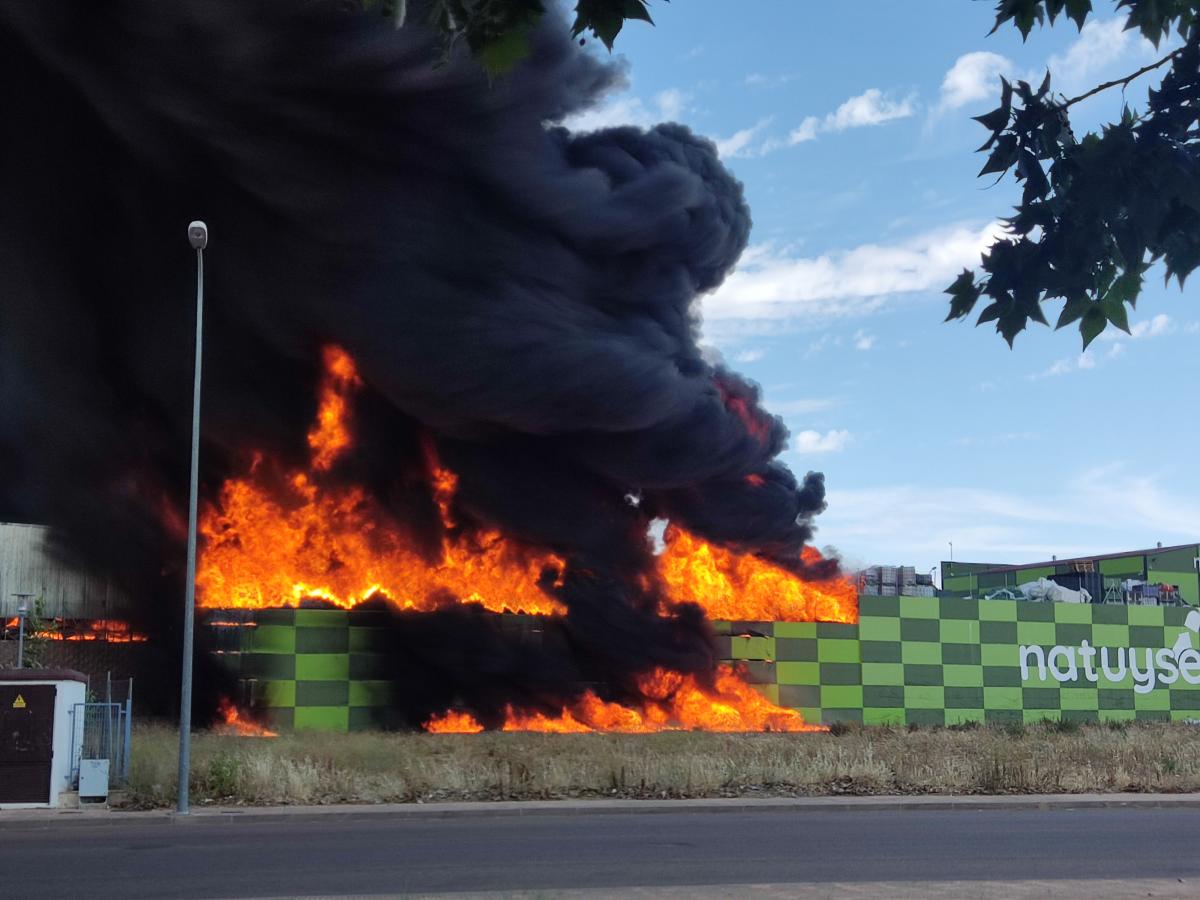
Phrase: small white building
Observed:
(37, 708)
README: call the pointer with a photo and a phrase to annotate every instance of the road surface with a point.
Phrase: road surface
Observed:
(610, 854)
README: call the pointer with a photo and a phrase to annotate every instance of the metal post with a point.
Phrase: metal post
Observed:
(128, 732)
(198, 238)
(22, 611)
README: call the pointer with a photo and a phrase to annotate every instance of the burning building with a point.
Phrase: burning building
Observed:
(452, 371)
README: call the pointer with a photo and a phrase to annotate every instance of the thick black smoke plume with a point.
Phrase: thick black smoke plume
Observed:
(523, 294)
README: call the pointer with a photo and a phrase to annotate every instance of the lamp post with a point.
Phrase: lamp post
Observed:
(22, 612)
(198, 238)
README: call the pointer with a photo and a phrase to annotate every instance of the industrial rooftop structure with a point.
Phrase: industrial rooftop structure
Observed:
(1164, 576)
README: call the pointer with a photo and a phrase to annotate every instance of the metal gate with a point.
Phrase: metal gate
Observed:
(102, 730)
(26, 742)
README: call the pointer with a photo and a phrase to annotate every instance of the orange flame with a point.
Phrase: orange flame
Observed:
(233, 723)
(673, 702)
(331, 435)
(271, 541)
(110, 631)
(453, 722)
(736, 586)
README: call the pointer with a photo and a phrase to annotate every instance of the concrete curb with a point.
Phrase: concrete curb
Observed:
(54, 818)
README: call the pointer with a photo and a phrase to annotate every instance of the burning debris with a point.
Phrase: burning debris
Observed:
(494, 316)
(231, 720)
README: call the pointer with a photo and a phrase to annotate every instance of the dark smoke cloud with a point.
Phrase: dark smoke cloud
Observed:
(522, 293)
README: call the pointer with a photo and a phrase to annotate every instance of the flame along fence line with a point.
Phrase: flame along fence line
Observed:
(909, 660)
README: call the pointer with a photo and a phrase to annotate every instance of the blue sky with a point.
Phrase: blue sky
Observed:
(852, 135)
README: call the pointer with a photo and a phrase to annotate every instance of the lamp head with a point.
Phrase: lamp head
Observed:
(198, 235)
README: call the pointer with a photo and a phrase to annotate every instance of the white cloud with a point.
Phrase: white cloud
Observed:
(671, 103)
(863, 341)
(628, 109)
(774, 284)
(1150, 328)
(871, 107)
(811, 442)
(972, 77)
(741, 143)
(1099, 46)
(1156, 326)
(752, 355)
(1083, 361)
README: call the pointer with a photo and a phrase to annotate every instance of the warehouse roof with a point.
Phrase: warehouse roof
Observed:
(1009, 567)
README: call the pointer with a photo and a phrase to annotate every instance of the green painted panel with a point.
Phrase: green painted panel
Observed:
(322, 718)
(274, 639)
(322, 666)
(879, 628)
(838, 651)
(998, 610)
(798, 672)
(326, 618)
(1126, 566)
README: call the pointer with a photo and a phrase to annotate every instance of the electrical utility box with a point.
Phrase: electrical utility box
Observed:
(36, 706)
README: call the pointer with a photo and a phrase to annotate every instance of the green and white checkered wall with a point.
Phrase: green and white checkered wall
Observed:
(943, 661)
(308, 668)
(921, 660)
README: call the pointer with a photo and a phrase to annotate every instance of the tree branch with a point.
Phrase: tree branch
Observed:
(1124, 82)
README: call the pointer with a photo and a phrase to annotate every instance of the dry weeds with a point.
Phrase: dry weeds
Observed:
(315, 768)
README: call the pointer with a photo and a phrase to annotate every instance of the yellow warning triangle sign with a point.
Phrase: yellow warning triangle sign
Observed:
(19, 703)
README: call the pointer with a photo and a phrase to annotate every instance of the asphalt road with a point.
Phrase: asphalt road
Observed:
(386, 855)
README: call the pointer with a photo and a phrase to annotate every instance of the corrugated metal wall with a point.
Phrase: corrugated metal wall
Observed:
(27, 568)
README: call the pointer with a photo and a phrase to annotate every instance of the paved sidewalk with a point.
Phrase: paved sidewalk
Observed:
(27, 818)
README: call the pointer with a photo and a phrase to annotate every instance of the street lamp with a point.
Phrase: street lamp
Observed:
(198, 237)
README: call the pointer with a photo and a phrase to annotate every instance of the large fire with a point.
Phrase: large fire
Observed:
(672, 702)
(741, 586)
(277, 536)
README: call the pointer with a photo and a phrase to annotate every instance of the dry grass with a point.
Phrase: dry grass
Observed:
(313, 768)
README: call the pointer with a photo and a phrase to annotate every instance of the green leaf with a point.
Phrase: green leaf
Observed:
(1114, 311)
(1073, 309)
(1093, 322)
(1078, 11)
(1003, 156)
(964, 294)
(990, 313)
(636, 9)
(995, 120)
(501, 53)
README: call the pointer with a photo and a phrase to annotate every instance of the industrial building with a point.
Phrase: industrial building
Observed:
(1161, 576)
(30, 571)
